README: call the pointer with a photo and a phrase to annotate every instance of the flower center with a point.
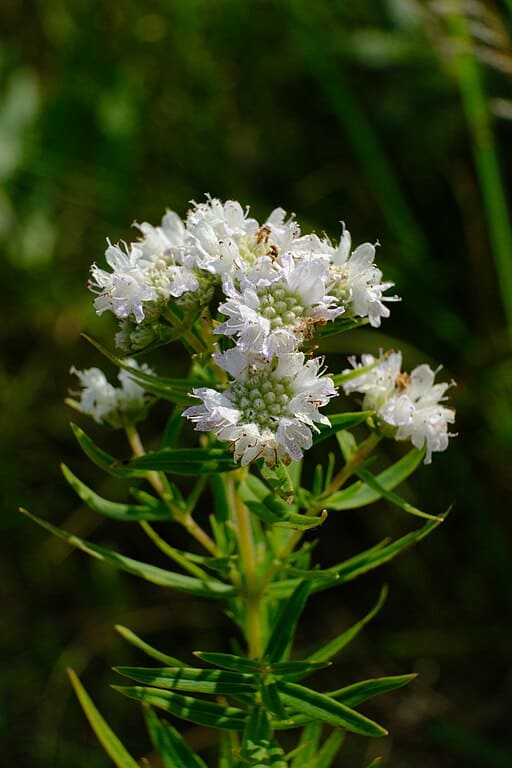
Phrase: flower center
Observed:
(280, 307)
(262, 399)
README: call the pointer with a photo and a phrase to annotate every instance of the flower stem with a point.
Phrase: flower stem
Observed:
(155, 478)
(250, 587)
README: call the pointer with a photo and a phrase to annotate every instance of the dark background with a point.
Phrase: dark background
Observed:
(393, 116)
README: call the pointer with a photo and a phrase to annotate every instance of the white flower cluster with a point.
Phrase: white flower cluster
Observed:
(278, 287)
(271, 274)
(116, 406)
(409, 403)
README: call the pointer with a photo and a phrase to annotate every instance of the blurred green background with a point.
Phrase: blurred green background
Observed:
(394, 116)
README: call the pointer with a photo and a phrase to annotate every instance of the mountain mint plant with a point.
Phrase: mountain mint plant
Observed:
(252, 304)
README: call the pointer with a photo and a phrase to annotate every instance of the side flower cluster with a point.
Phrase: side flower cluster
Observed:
(116, 406)
(407, 403)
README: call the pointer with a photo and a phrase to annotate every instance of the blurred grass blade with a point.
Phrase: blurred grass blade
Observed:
(169, 744)
(188, 708)
(335, 646)
(152, 573)
(137, 642)
(125, 512)
(107, 738)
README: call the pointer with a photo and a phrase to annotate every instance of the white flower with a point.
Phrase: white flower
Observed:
(276, 307)
(269, 409)
(124, 290)
(357, 280)
(162, 242)
(116, 406)
(410, 403)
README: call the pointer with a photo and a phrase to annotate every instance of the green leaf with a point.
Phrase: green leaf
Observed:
(296, 669)
(125, 512)
(341, 421)
(319, 706)
(175, 390)
(271, 700)
(107, 738)
(164, 578)
(188, 708)
(286, 621)
(278, 479)
(335, 646)
(375, 762)
(230, 661)
(191, 680)
(184, 461)
(272, 512)
(328, 751)
(308, 745)
(169, 744)
(350, 569)
(352, 695)
(372, 482)
(101, 458)
(359, 494)
(136, 641)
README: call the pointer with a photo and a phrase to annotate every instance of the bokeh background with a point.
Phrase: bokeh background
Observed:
(394, 116)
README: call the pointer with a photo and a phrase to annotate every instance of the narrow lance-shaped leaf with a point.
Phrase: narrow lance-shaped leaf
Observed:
(184, 461)
(125, 512)
(350, 569)
(359, 494)
(308, 744)
(287, 618)
(175, 390)
(352, 695)
(328, 751)
(341, 421)
(320, 706)
(106, 736)
(101, 458)
(160, 576)
(191, 680)
(372, 482)
(335, 646)
(169, 744)
(188, 708)
(137, 642)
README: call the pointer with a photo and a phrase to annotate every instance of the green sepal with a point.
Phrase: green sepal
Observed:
(107, 738)
(160, 576)
(191, 679)
(184, 461)
(329, 650)
(372, 482)
(359, 494)
(125, 512)
(188, 708)
(352, 695)
(175, 390)
(320, 706)
(286, 621)
(137, 642)
(341, 421)
(169, 744)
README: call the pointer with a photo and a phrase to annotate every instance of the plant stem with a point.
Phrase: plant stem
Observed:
(182, 517)
(250, 587)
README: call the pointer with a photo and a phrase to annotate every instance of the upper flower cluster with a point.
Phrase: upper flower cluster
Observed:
(409, 403)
